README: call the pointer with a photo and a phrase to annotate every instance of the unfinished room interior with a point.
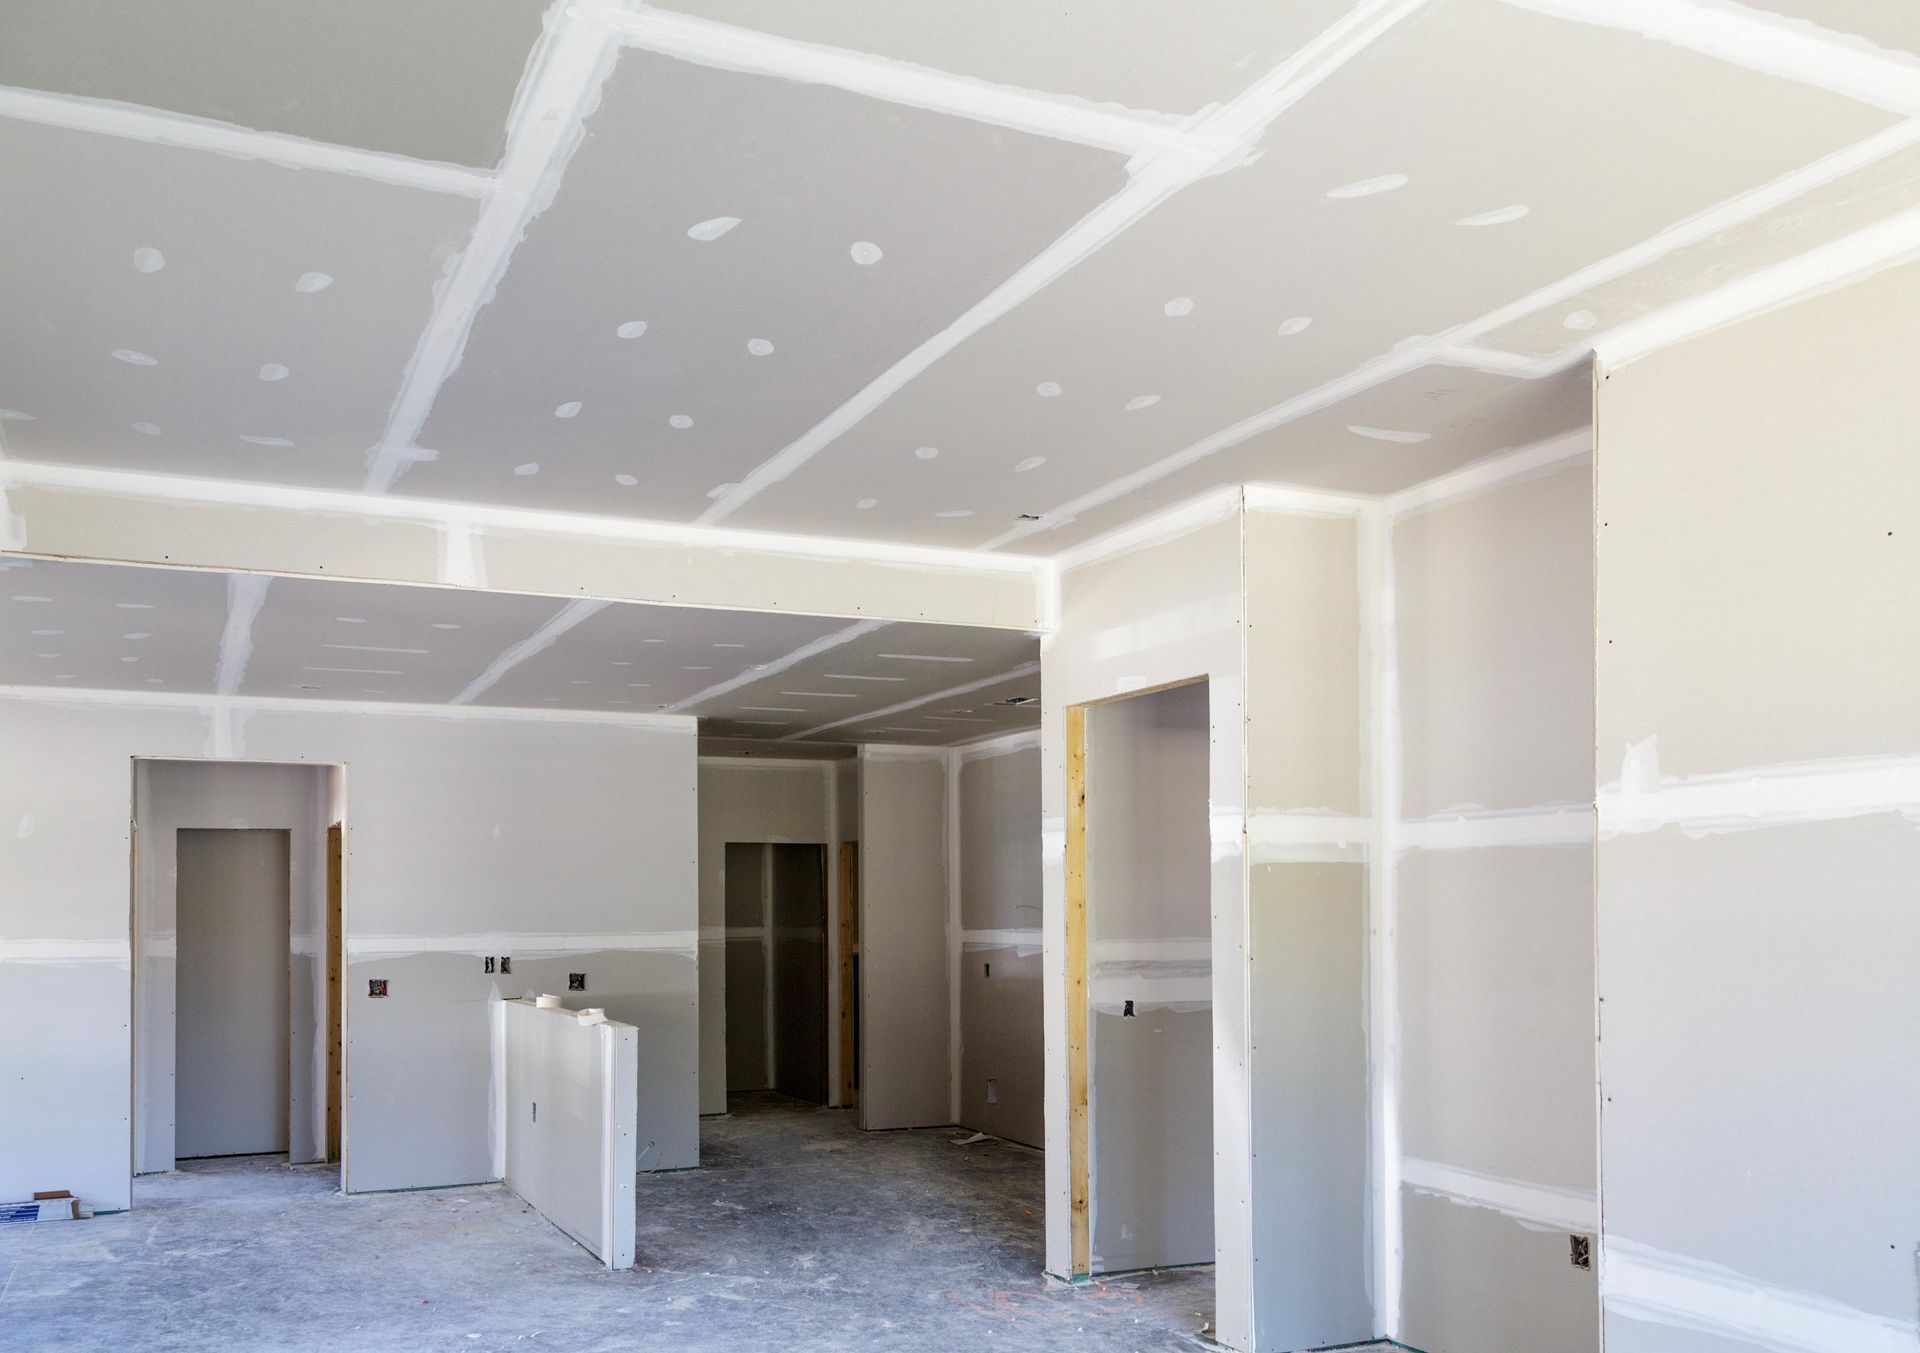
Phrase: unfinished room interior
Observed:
(898, 675)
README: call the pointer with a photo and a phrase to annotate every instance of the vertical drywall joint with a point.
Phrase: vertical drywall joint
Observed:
(1601, 372)
(1236, 1320)
(1383, 752)
(950, 759)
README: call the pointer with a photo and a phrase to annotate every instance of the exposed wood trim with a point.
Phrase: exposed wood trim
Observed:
(335, 948)
(1078, 1167)
(849, 946)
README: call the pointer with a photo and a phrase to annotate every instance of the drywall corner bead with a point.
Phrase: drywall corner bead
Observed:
(1644, 1283)
(1287, 500)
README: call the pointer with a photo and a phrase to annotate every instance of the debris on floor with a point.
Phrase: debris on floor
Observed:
(969, 1141)
(56, 1205)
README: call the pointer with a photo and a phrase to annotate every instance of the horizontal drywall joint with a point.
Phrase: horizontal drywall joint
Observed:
(1551, 825)
(518, 943)
(1643, 800)
(1642, 1282)
(1532, 1204)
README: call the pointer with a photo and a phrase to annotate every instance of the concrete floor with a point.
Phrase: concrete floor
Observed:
(798, 1232)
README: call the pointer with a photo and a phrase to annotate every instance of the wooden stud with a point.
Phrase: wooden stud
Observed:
(1080, 1183)
(335, 942)
(849, 946)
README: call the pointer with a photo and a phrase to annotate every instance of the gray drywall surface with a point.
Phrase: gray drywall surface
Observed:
(1758, 579)
(1308, 937)
(745, 802)
(1149, 953)
(1001, 1022)
(1303, 664)
(568, 1094)
(1493, 604)
(798, 894)
(1493, 950)
(904, 1080)
(1494, 1282)
(429, 82)
(1310, 1243)
(568, 844)
(748, 1064)
(172, 796)
(230, 1002)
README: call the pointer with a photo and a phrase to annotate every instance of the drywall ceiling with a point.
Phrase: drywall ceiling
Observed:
(745, 674)
(1000, 278)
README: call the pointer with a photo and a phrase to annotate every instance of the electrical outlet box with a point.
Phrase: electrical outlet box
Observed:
(489, 962)
(1581, 1251)
(993, 1091)
(506, 964)
(1126, 1011)
(376, 986)
(576, 981)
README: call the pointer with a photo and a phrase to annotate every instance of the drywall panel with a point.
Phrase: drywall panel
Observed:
(167, 797)
(1001, 1069)
(470, 836)
(98, 626)
(1149, 974)
(835, 232)
(1492, 1282)
(1000, 839)
(798, 919)
(1191, 306)
(1756, 572)
(1166, 612)
(1495, 992)
(233, 931)
(162, 324)
(904, 979)
(568, 1092)
(66, 513)
(1494, 607)
(65, 959)
(1305, 751)
(1774, 967)
(742, 801)
(1723, 425)
(745, 1031)
(1307, 964)
(446, 77)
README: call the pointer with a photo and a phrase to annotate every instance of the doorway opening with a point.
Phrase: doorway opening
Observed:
(1140, 1025)
(239, 1044)
(776, 913)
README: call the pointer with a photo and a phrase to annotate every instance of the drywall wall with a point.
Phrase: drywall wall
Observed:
(569, 1090)
(797, 892)
(997, 805)
(746, 801)
(563, 842)
(231, 1040)
(1149, 979)
(169, 796)
(749, 1054)
(1758, 572)
(1167, 610)
(1493, 894)
(905, 1072)
(1308, 821)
